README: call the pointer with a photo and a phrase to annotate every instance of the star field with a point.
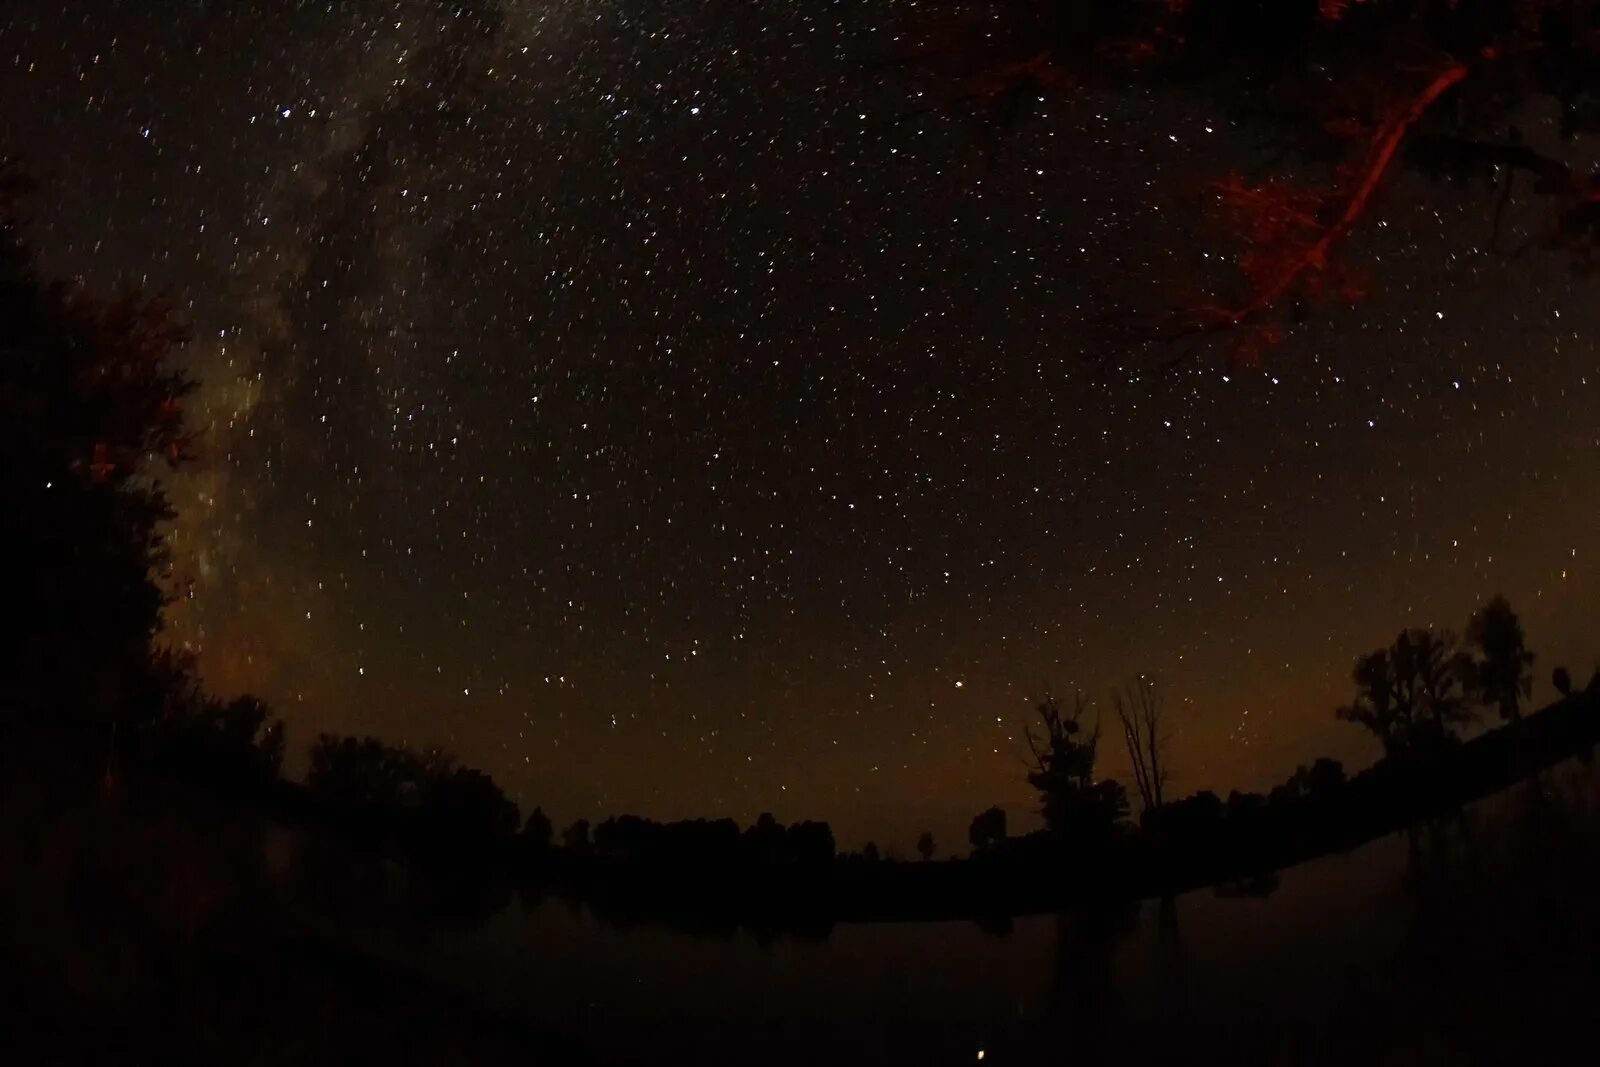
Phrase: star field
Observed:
(619, 395)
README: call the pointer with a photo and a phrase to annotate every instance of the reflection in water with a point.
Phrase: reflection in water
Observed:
(1086, 944)
(1472, 941)
(1173, 962)
(1320, 966)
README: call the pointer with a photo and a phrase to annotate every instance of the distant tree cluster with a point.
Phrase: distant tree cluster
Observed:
(424, 799)
(235, 745)
(1201, 816)
(1418, 693)
(426, 803)
(714, 842)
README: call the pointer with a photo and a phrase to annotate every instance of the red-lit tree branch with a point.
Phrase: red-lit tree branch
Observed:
(1381, 154)
(1337, 79)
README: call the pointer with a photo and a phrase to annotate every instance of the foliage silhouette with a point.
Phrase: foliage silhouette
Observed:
(446, 816)
(1501, 676)
(91, 420)
(91, 415)
(713, 843)
(536, 835)
(987, 831)
(575, 838)
(1322, 779)
(1075, 807)
(236, 746)
(1408, 694)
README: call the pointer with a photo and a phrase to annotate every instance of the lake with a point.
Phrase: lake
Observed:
(1397, 950)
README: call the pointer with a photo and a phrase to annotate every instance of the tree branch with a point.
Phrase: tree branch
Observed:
(1381, 153)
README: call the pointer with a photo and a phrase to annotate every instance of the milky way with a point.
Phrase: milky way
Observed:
(622, 396)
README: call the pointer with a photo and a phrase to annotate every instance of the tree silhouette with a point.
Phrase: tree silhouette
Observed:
(575, 838)
(811, 843)
(235, 745)
(1343, 92)
(1408, 695)
(443, 814)
(1322, 779)
(366, 773)
(1375, 706)
(987, 830)
(536, 833)
(869, 852)
(1073, 804)
(1501, 676)
(764, 839)
(465, 815)
(1139, 709)
(925, 845)
(1561, 678)
(90, 417)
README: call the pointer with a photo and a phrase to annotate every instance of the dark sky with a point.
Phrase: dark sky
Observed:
(615, 394)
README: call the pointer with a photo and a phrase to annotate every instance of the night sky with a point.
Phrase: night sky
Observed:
(615, 393)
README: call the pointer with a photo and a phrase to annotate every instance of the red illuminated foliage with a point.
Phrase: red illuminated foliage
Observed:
(1352, 90)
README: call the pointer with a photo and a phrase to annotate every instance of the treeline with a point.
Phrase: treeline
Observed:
(1416, 696)
(455, 823)
(425, 805)
(714, 842)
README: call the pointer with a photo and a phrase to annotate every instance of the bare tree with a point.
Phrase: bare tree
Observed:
(1140, 710)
